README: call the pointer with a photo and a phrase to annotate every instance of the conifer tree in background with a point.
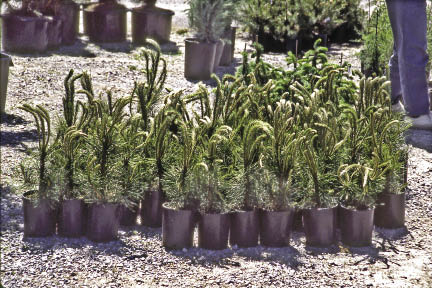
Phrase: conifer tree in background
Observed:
(287, 19)
(209, 18)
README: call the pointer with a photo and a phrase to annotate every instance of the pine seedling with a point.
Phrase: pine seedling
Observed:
(149, 93)
(45, 148)
(77, 118)
(282, 152)
(255, 134)
(209, 18)
(102, 141)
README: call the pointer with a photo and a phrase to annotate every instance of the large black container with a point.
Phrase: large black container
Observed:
(276, 227)
(244, 228)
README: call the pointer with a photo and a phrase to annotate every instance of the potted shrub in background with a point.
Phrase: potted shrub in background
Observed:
(54, 31)
(351, 19)
(35, 26)
(67, 11)
(105, 21)
(5, 63)
(207, 19)
(39, 206)
(377, 37)
(275, 23)
(149, 21)
(23, 29)
(229, 34)
(322, 17)
(229, 37)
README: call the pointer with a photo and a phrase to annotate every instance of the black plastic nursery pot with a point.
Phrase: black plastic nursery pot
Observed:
(244, 228)
(228, 51)
(5, 63)
(68, 11)
(270, 44)
(320, 226)
(39, 217)
(177, 227)
(199, 59)
(151, 208)
(276, 227)
(390, 211)
(72, 217)
(309, 41)
(213, 230)
(103, 222)
(356, 226)
(105, 22)
(152, 22)
(54, 31)
(24, 33)
(128, 215)
(218, 54)
(344, 33)
(298, 220)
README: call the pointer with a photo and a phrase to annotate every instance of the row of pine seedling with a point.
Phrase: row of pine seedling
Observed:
(238, 159)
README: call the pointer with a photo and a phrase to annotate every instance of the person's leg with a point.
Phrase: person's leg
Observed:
(396, 89)
(409, 17)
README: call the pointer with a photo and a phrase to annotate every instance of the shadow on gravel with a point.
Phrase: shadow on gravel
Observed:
(11, 211)
(11, 119)
(78, 49)
(220, 72)
(50, 244)
(143, 231)
(16, 138)
(322, 250)
(119, 247)
(125, 47)
(12, 225)
(30, 55)
(288, 256)
(391, 234)
(419, 138)
(81, 48)
(372, 256)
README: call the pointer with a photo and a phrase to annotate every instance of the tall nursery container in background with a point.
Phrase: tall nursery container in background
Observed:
(5, 63)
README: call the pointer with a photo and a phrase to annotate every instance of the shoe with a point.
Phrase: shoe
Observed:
(423, 122)
(398, 108)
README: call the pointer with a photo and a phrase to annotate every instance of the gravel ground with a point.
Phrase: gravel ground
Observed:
(397, 258)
